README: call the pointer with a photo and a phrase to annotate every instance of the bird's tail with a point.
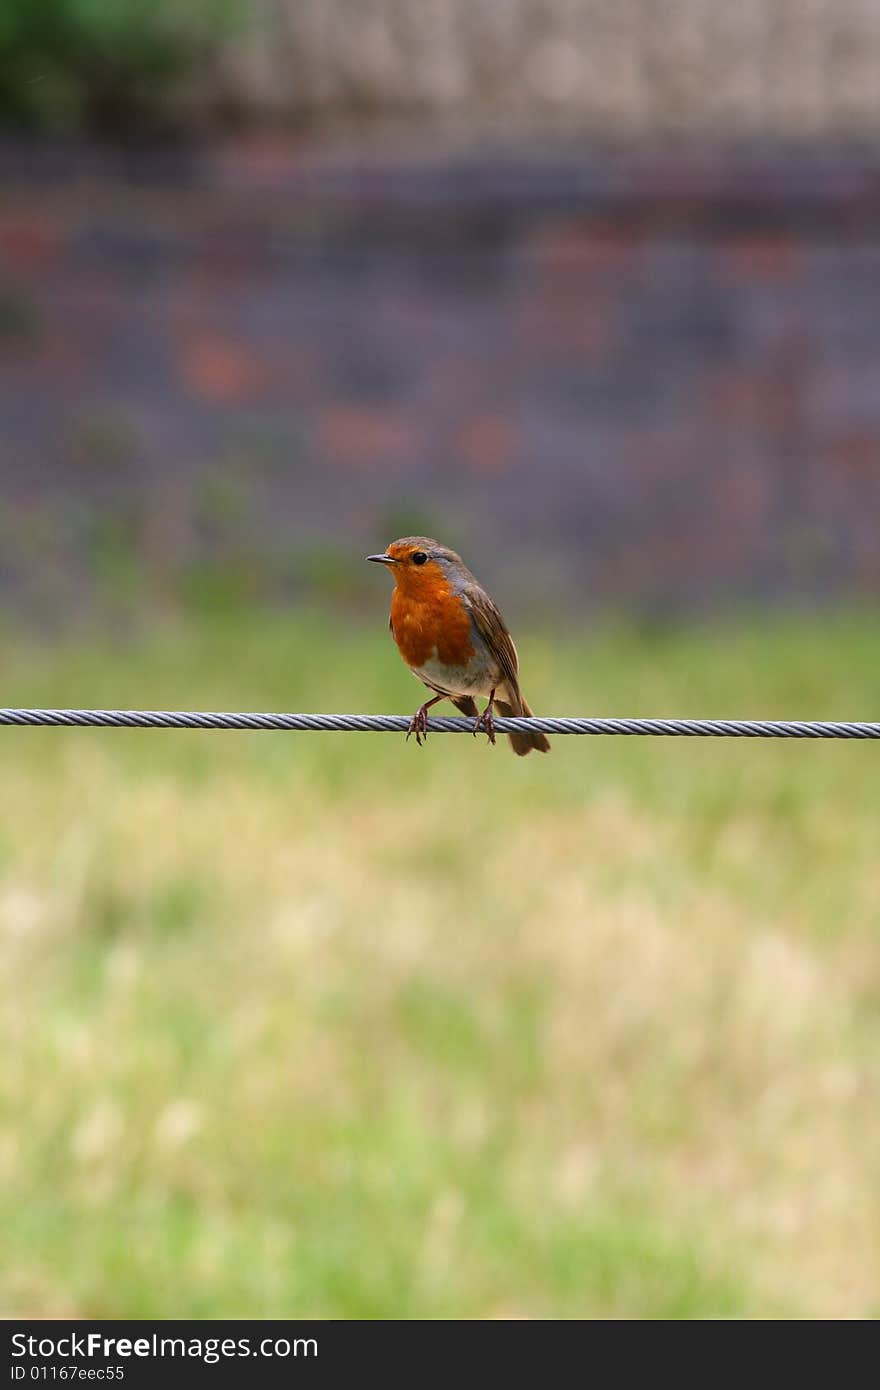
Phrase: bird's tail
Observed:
(522, 743)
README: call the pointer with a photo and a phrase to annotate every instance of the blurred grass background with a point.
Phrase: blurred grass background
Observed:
(332, 1025)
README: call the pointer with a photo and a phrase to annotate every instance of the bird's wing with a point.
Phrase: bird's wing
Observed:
(490, 625)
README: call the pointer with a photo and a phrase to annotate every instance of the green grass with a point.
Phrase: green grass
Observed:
(331, 1025)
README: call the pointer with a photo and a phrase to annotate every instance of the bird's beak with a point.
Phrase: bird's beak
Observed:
(382, 559)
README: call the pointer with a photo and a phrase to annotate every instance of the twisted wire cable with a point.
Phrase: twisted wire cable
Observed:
(397, 723)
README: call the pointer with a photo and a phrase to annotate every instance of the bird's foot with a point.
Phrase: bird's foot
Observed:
(485, 723)
(418, 725)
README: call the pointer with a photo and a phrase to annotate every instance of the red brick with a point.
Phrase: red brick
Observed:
(749, 258)
(26, 243)
(856, 451)
(574, 245)
(566, 322)
(486, 443)
(220, 369)
(364, 436)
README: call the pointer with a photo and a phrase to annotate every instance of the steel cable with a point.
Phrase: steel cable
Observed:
(397, 723)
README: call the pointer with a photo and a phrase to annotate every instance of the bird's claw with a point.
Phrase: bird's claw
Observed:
(418, 725)
(485, 723)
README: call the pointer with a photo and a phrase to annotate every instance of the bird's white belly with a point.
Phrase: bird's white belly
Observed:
(473, 679)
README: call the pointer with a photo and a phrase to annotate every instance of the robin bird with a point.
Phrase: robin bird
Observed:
(452, 637)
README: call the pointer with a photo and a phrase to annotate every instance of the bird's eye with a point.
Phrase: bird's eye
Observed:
(419, 557)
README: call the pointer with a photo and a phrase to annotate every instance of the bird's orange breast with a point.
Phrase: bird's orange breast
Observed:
(429, 619)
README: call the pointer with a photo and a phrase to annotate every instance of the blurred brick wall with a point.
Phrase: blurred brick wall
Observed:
(793, 68)
(643, 381)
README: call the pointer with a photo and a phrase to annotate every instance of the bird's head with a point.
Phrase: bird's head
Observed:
(421, 565)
